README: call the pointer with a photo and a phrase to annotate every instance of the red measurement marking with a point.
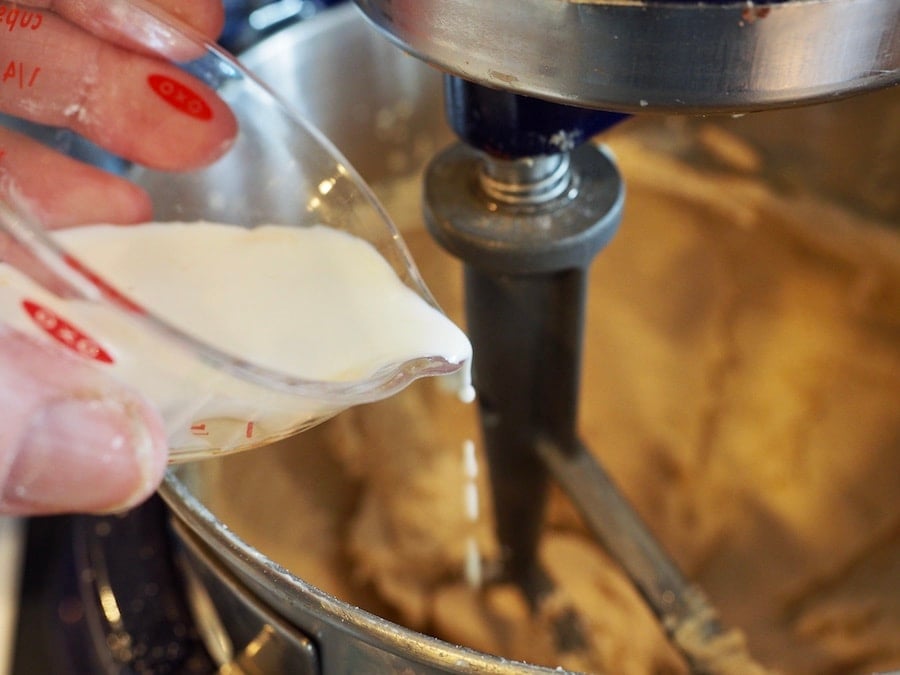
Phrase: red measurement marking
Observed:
(17, 73)
(249, 432)
(104, 287)
(65, 333)
(180, 97)
(13, 18)
(199, 430)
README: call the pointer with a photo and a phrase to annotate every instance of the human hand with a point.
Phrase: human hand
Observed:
(73, 439)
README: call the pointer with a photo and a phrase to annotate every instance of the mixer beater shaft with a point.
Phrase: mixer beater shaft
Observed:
(526, 335)
(527, 227)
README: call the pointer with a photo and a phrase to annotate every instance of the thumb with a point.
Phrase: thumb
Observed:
(71, 438)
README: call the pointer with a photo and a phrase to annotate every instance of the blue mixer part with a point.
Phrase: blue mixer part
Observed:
(511, 125)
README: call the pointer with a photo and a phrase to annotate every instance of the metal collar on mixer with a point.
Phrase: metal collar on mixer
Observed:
(659, 55)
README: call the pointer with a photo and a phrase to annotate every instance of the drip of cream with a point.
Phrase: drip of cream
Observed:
(472, 568)
(309, 302)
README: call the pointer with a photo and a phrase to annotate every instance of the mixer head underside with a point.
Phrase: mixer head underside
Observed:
(658, 55)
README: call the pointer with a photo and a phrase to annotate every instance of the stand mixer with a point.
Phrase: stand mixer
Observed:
(256, 573)
(526, 203)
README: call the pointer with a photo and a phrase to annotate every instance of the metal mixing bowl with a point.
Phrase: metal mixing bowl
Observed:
(383, 110)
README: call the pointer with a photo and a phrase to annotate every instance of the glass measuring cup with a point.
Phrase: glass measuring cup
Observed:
(266, 170)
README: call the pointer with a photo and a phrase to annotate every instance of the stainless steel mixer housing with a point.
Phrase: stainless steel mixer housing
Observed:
(655, 54)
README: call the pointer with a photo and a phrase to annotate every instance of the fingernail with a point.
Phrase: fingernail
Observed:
(82, 455)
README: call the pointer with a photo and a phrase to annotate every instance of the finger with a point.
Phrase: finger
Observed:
(206, 16)
(158, 27)
(141, 108)
(72, 440)
(60, 191)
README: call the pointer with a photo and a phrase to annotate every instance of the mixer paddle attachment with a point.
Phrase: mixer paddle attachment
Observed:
(681, 607)
(527, 221)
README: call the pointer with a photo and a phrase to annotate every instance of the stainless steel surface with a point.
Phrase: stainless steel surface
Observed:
(383, 111)
(656, 55)
(528, 181)
(349, 639)
(243, 636)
